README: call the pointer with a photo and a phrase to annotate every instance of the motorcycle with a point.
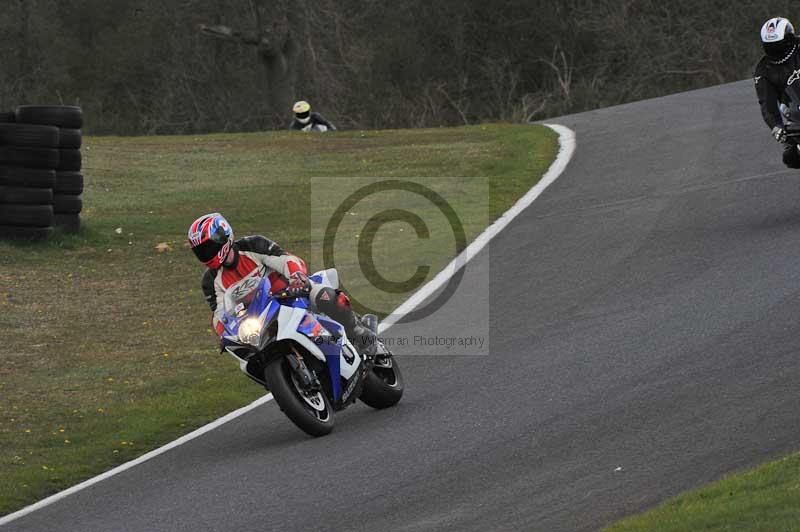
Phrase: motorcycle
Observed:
(304, 358)
(790, 114)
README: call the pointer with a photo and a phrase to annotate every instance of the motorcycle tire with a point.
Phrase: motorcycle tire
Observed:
(68, 183)
(29, 157)
(68, 116)
(26, 195)
(27, 215)
(67, 204)
(29, 135)
(313, 421)
(383, 386)
(67, 223)
(70, 160)
(70, 138)
(10, 232)
(27, 177)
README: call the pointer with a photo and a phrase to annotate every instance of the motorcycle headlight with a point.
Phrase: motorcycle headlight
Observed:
(250, 331)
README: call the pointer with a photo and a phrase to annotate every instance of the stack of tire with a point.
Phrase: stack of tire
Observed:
(40, 179)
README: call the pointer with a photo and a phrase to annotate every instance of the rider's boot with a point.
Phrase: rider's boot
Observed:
(336, 304)
(362, 337)
(791, 155)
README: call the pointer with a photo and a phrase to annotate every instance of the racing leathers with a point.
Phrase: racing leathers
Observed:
(311, 123)
(256, 257)
(772, 78)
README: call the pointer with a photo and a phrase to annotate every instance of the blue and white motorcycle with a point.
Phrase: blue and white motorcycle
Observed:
(305, 359)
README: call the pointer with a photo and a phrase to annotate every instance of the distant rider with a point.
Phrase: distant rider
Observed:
(231, 261)
(777, 70)
(305, 120)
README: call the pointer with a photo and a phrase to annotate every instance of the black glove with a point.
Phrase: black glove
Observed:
(779, 133)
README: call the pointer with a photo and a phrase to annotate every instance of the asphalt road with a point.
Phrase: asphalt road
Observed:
(642, 314)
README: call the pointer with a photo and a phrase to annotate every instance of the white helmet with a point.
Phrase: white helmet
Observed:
(777, 37)
(302, 111)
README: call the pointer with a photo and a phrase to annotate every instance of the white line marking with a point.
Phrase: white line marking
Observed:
(566, 140)
(127, 465)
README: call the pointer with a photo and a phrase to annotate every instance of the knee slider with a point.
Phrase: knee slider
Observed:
(326, 300)
(342, 301)
(332, 302)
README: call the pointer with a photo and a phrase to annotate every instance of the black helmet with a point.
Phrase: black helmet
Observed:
(777, 37)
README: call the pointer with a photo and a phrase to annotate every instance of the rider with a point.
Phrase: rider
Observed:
(230, 261)
(305, 120)
(777, 70)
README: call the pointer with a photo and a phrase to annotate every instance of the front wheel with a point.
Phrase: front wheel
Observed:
(383, 386)
(310, 411)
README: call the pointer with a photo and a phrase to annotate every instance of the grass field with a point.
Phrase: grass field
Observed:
(765, 499)
(106, 345)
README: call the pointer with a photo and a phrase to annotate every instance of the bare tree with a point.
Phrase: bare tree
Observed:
(25, 39)
(142, 66)
(279, 34)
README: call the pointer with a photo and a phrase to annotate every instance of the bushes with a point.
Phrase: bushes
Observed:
(143, 67)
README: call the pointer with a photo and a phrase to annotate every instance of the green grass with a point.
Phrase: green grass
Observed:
(107, 350)
(766, 499)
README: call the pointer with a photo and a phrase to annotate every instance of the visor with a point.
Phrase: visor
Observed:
(207, 250)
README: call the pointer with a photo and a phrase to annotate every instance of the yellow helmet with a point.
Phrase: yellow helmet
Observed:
(301, 107)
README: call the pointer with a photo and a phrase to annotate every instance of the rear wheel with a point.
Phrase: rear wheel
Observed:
(310, 411)
(383, 386)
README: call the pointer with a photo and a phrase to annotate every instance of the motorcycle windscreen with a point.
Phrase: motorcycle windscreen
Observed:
(247, 298)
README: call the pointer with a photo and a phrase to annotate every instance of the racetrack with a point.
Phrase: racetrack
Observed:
(643, 316)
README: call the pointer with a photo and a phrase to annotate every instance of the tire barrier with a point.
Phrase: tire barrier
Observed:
(40, 171)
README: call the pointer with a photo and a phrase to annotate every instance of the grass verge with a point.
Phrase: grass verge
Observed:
(766, 498)
(107, 350)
